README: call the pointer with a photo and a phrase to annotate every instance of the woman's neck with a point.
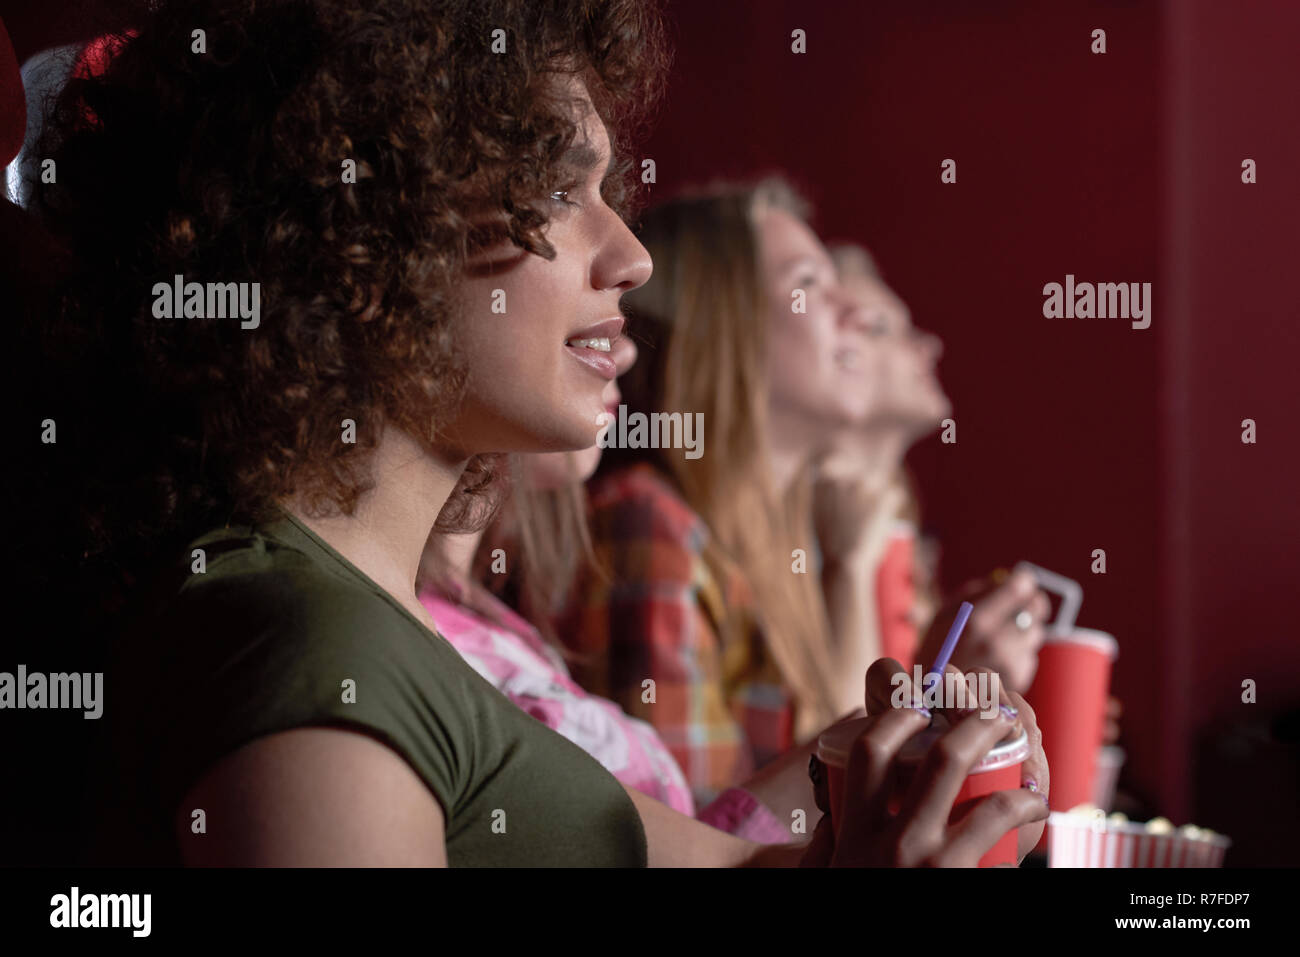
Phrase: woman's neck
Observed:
(455, 558)
(872, 454)
(790, 447)
(386, 534)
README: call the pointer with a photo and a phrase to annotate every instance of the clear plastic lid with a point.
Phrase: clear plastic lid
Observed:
(834, 743)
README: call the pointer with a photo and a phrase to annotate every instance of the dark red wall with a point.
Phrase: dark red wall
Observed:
(1231, 254)
(1072, 434)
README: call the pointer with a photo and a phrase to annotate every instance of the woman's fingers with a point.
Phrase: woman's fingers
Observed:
(944, 768)
(1040, 608)
(1034, 770)
(919, 832)
(987, 822)
(1004, 699)
(1004, 602)
(868, 779)
(888, 686)
(1035, 767)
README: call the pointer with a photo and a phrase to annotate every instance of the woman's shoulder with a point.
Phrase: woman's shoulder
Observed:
(275, 593)
(263, 634)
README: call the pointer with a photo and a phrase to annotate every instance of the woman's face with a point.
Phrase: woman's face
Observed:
(894, 362)
(555, 469)
(807, 379)
(537, 334)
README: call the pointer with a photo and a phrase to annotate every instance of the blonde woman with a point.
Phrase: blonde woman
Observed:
(710, 622)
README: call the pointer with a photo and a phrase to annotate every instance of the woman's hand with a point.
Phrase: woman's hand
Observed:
(852, 523)
(1035, 775)
(919, 834)
(852, 519)
(887, 675)
(1004, 632)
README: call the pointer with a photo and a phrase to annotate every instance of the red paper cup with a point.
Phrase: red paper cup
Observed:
(999, 770)
(1069, 701)
(896, 596)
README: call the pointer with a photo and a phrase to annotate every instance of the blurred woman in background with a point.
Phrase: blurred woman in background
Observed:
(710, 623)
(905, 402)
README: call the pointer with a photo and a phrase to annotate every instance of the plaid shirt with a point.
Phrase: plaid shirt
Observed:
(662, 613)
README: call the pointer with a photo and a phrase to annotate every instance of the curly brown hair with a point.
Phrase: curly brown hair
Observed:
(226, 166)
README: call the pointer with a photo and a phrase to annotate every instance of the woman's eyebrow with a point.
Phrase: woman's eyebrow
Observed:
(581, 157)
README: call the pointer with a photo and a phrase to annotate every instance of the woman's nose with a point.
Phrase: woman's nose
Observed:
(930, 345)
(853, 314)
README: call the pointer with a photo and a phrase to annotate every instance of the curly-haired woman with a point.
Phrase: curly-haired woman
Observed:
(428, 195)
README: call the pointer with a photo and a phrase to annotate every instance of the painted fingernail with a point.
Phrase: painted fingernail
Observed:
(1032, 786)
(1009, 712)
(922, 711)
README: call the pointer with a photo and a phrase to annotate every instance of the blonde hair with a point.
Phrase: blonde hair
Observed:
(705, 309)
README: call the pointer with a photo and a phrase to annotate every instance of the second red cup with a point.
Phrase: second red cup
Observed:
(896, 596)
(1069, 700)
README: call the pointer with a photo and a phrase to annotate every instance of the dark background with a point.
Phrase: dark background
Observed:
(1072, 434)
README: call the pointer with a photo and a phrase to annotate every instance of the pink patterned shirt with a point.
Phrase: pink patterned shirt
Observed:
(512, 656)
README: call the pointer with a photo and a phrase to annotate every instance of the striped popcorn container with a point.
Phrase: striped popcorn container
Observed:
(1085, 838)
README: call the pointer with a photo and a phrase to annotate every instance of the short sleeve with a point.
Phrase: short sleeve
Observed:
(248, 655)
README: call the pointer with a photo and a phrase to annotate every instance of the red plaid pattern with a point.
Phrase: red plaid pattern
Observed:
(661, 613)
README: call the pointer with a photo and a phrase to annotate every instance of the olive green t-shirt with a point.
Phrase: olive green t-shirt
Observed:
(280, 632)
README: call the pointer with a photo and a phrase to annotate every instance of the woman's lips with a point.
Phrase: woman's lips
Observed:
(602, 363)
(610, 328)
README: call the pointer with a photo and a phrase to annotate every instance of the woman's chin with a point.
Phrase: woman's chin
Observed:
(586, 462)
(581, 437)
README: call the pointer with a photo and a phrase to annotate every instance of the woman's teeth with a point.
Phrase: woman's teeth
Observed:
(600, 345)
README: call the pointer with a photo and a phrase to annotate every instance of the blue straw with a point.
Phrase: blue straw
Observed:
(949, 645)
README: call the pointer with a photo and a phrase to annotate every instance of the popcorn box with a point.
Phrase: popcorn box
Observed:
(1086, 837)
